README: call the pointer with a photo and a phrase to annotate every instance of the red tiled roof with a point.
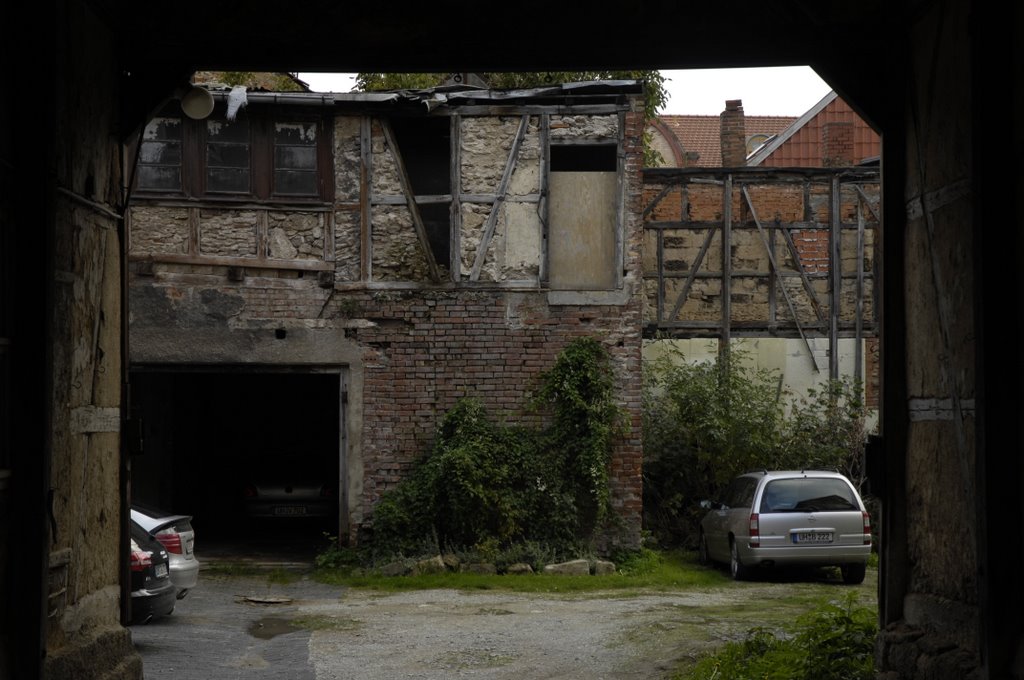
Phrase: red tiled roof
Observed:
(803, 146)
(701, 134)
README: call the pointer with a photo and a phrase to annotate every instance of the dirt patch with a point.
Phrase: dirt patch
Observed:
(430, 634)
(322, 632)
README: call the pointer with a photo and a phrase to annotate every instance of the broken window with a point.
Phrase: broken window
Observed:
(425, 147)
(583, 233)
(295, 159)
(255, 157)
(227, 157)
(159, 166)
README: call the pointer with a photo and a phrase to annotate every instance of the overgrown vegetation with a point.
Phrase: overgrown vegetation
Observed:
(487, 487)
(833, 642)
(705, 423)
(640, 569)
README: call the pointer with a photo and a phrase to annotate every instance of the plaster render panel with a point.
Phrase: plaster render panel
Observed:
(522, 241)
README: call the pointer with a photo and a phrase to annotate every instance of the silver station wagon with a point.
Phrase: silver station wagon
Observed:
(788, 518)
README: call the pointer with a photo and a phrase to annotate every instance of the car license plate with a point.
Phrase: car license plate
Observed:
(161, 570)
(290, 510)
(812, 537)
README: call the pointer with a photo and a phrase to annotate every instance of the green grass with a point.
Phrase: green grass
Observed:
(647, 570)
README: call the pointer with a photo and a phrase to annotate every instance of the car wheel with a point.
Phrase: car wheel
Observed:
(740, 572)
(853, 574)
(702, 550)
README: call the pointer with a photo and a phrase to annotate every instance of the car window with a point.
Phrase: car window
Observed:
(808, 494)
(745, 494)
(740, 493)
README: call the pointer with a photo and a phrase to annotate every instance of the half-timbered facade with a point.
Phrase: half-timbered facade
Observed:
(350, 265)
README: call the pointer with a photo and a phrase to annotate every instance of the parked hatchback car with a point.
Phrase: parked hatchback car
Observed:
(152, 592)
(177, 536)
(788, 518)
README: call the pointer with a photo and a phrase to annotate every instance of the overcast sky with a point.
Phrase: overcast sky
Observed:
(776, 91)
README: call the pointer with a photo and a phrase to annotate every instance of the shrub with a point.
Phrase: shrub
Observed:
(492, 485)
(705, 423)
(834, 642)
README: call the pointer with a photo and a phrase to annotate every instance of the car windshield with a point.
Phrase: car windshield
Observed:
(808, 494)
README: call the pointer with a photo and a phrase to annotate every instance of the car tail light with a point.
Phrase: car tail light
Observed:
(327, 490)
(170, 539)
(755, 532)
(250, 491)
(867, 528)
(140, 558)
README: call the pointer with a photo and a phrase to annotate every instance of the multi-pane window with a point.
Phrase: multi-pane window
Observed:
(248, 158)
(228, 167)
(295, 154)
(159, 166)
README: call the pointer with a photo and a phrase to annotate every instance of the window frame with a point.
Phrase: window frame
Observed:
(262, 187)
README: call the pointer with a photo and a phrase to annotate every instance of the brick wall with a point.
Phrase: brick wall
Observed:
(837, 144)
(426, 351)
(734, 135)
(421, 347)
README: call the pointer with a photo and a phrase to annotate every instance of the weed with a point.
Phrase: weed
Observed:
(835, 641)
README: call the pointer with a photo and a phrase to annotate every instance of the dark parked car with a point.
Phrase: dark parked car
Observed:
(290, 498)
(176, 534)
(788, 518)
(152, 592)
(285, 485)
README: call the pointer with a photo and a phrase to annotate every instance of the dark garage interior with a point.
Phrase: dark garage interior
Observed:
(210, 438)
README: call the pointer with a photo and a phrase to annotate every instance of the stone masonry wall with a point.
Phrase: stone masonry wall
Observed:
(417, 348)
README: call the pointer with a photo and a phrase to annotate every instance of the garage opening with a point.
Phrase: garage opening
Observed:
(252, 455)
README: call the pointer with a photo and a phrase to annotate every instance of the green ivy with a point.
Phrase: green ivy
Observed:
(490, 486)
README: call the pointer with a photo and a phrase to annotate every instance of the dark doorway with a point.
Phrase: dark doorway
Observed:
(213, 440)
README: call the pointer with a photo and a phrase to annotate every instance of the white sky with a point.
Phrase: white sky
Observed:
(775, 91)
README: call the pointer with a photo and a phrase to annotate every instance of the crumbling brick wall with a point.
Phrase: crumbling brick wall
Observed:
(417, 345)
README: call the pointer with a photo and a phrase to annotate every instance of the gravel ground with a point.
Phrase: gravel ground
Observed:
(234, 627)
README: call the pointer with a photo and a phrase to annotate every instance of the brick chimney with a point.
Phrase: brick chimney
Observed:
(837, 144)
(733, 135)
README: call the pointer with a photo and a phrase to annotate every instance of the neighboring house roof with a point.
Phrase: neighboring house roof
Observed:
(801, 144)
(702, 134)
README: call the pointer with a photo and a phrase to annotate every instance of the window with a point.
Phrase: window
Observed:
(159, 167)
(228, 168)
(295, 159)
(254, 157)
(425, 145)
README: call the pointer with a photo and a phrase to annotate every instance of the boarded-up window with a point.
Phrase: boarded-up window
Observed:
(159, 166)
(583, 218)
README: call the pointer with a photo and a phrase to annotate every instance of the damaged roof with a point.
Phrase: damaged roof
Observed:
(604, 91)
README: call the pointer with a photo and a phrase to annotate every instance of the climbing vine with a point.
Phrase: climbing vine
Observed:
(484, 483)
